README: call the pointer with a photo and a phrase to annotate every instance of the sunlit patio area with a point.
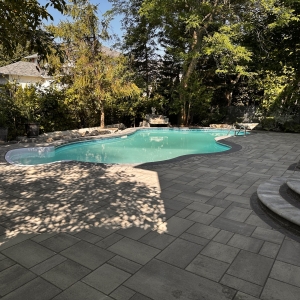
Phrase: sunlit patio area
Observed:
(183, 229)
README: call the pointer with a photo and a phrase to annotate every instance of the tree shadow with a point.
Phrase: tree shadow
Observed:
(73, 196)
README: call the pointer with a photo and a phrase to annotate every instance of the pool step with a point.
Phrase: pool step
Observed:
(282, 196)
(294, 185)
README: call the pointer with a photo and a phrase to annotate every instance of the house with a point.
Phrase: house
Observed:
(24, 72)
(29, 72)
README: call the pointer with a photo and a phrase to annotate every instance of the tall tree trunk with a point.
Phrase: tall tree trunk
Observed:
(102, 115)
(183, 112)
(228, 93)
(228, 96)
(188, 113)
(198, 35)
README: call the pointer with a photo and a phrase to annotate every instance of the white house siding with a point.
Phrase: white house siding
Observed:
(25, 80)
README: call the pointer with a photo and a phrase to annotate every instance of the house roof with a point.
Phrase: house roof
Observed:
(21, 68)
(110, 52)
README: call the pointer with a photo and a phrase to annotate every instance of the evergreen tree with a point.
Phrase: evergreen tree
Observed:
(93, 78)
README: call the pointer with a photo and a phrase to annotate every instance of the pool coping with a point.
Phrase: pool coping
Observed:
(129, 131)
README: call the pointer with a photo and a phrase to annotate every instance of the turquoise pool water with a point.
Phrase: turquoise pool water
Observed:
(147, 145)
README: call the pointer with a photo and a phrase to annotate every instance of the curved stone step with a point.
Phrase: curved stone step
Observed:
(268, 194)
(294, 185)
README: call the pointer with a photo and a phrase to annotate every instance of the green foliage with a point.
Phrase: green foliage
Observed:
(93, 79)
(17, 55)
(10, 117)
(269, 123)
(231, 58)
(273, 85)
(55, 114)
(21, 24)
(27, 102)
(291, 126)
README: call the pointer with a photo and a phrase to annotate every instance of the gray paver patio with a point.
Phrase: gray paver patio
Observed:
(178, 230)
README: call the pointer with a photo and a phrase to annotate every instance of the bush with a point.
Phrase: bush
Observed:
(291, 126)
(269, 123)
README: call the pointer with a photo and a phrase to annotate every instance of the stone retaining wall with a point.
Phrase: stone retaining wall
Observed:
(67, 135)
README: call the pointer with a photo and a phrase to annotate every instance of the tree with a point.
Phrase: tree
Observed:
(18, 54)
(209, 37)
(206, 29)
(93, 78)
(21, 23)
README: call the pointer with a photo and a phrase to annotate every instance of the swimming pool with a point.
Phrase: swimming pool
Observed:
(144, 145)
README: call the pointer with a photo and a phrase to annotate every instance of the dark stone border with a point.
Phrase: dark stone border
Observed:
(294, 167)
(276, 222)
(234, 148)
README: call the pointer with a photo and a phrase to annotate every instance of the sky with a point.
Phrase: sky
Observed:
(103, 6)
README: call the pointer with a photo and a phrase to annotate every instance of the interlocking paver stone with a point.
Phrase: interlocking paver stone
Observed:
(268, 235)
(8, 242)
(241, 285)
(251, 267)
(14, 277)
(87, 255)
(138, 296)
(157, 240)
(216, 211)
(176, 226)
(200, 207)
(184, 213)
(192, 197)
(124, 264)
(208, 267)
(286, 273)
(28, 253)
(134, 233)
(233, 226)
(269, 249)
(236, 213)
(60, 242)
(48, 264)
(159, 280)
(290, 253)
(109, 240)
(6, 263)
(194, 239)
(204, 231)
(246, 243)
(106, 278)
(180, 253)
(66, 274)
(88, 237)
(176, 205)
(122, 293)
(221, 252)
(80, 291)
(256, 221)
(37, 289)
(200, 217)
(134, 250)
(243, 296)
(277, 290)
(219, 201)
(223, 236)
(102, 231)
